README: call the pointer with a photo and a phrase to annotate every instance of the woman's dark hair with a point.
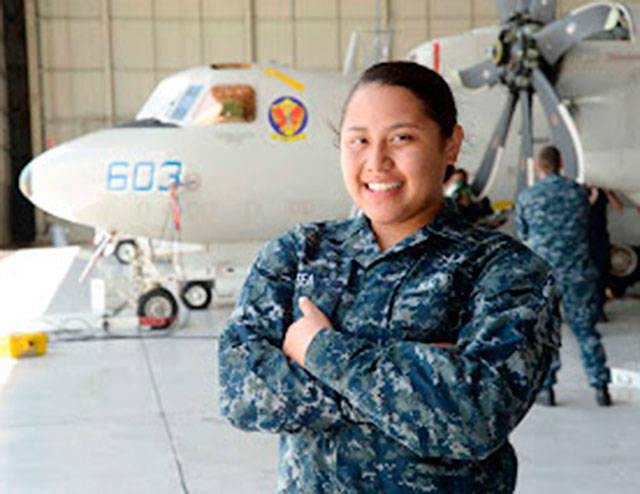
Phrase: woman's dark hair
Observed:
(425, 84)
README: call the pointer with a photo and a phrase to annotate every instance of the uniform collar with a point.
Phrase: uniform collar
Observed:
(360, 243)
(551, 177)
(450, 223)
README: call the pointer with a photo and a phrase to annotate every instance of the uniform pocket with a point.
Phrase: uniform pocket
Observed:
(322, 286)
(425, 310)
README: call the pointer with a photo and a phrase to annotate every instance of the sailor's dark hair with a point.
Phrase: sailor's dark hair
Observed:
(462, 172)
(549, 159)
(448, 171)
(425, 84)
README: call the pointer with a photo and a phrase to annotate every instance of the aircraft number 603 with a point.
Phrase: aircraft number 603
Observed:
(143, 175)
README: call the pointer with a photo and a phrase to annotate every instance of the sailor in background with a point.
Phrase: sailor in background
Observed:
(552, 218)
(456, 188)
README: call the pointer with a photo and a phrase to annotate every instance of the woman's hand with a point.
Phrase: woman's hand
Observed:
(300, 333)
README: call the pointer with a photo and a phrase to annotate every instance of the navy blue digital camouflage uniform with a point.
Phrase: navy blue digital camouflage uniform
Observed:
(552, 218)
(379, 407)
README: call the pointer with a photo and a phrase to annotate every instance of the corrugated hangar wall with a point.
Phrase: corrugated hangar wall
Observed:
(94, 62)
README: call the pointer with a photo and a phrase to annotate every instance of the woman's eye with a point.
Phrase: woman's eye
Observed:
(401, 138)
(359, 140)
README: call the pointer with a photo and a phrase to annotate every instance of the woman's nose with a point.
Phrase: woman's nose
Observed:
(379, 159)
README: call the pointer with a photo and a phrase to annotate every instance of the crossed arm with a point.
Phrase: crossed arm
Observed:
(260, 388)
(457, 402)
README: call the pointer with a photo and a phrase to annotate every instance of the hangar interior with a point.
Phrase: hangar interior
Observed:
(134, 411)
(92, 63)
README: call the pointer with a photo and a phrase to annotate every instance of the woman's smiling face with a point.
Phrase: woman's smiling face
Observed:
(393, 158)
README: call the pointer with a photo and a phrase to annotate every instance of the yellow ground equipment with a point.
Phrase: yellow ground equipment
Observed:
(23, 345)
(502, 205)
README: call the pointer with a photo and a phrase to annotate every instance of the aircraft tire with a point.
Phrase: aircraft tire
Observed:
(160, 305)
(125, 251)
(625, 268)
(196, 294)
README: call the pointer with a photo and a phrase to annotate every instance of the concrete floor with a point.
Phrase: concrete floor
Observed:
(138, 413)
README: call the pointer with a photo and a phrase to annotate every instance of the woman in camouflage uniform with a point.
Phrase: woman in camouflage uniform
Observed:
(395, 351)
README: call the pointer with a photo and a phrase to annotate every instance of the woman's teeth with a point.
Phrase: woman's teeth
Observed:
(385, 186)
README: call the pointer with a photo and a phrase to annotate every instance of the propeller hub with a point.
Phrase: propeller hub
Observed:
(516, 54)
(526, 59)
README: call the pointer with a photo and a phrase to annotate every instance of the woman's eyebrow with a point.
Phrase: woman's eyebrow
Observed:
(357, 128)
(404, 124)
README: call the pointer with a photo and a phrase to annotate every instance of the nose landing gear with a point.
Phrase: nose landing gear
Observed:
(196, 294)
(157, 308)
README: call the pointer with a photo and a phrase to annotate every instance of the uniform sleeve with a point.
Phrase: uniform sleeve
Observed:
(460, 402)
(260, 389)
(522, 229)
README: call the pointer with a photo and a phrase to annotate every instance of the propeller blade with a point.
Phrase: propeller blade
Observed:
(555, 39)
(506, 9)
(491, 159)
(543, 11)
(564, 133)
(483, 74)
(525, 165)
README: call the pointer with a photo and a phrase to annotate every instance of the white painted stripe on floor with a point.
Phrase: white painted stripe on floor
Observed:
(625, 378)
(29, 280)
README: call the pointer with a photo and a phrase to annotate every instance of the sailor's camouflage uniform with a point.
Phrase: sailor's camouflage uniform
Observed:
(552, 218)
(379, 408)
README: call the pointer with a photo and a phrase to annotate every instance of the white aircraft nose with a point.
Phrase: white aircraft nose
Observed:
(48, 182)
(25, 181)
(98, 177)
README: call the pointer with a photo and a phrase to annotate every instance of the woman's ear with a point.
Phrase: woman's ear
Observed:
(454, 143)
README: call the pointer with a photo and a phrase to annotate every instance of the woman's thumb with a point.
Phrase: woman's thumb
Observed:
(306, 305)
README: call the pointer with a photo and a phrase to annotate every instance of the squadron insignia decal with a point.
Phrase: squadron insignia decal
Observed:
(288, 117)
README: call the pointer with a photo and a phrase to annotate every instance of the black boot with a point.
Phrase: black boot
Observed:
(546, 397)
(602, 396)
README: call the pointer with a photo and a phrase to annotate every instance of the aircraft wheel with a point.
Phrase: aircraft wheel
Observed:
(125, 251)
(196, 294)
(625, 269)
(624, 261)
(157, 308)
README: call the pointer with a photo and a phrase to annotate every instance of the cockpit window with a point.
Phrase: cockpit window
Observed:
(623, 30)
(227, 104)
(186, 102)
(232, 65)
(146, 122)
